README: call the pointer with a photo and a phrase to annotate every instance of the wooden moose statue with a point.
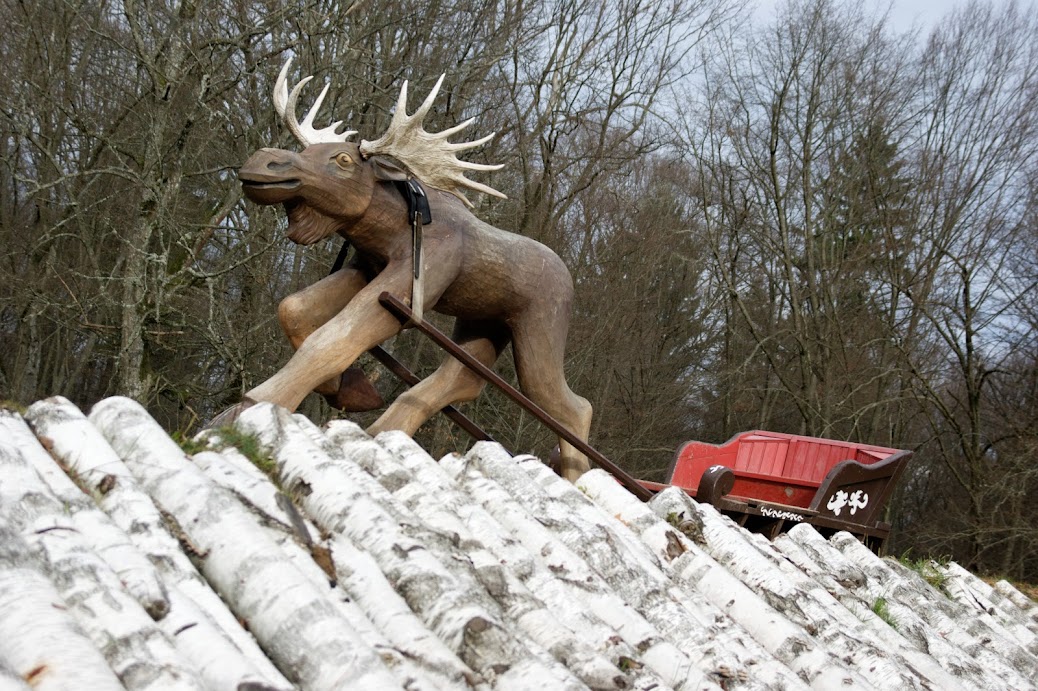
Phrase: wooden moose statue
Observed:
(499, 286)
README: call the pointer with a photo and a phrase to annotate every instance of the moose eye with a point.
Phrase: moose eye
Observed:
(344, 160)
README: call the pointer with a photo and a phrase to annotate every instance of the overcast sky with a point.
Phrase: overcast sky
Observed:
(904, 13)
(924, 12)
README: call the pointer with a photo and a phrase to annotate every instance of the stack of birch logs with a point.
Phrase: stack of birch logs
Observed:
(341, 561)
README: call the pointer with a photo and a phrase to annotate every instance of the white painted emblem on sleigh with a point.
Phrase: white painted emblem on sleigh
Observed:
(855, 500)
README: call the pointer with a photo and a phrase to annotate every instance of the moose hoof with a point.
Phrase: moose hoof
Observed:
(356, 393)
(228, 416)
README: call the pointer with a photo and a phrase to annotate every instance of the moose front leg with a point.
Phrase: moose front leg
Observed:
(362, 324)
(303, 312)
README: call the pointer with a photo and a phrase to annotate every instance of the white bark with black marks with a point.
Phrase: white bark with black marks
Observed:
(871, 647)
(709, 643)
(87, 454)
(39, 641)
(415, 479)
(402, 637)
(977, 595)
(563, 578)
(341, 498)
(54, 422)
(686, 562)
(311, 644)
(141, 655)
(293, 533)
(999, 654)
(845, 578)
(1020, 601)
(684, 615)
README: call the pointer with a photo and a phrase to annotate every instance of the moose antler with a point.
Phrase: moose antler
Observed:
(429, 156)
(285, 105)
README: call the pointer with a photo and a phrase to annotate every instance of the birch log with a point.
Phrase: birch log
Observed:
(82, 448)
(415, 478)
(110, 542)
(609, 616)
(139, 653)
(613, 550)
(999, 654)
(1020, 601)
(39, 640)
(342, 498)
(311, 645)
(400, 635)
(537, 528)
(287, 528)
(875, 650)
(977, 595)
(819, 557)
(697, 570)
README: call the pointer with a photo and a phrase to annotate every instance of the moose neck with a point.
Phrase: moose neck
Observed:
(383, 230)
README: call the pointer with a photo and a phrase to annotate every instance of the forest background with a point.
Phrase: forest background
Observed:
(816, 224)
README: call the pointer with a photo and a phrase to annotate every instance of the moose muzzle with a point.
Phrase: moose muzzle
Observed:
(271, 176)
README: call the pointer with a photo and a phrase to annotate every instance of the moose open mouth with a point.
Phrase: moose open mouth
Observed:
(269, 191)
(279, 184)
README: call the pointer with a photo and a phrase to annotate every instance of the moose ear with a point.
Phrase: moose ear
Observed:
(387, 170)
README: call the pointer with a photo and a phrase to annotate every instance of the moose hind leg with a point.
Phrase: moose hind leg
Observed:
(451, 383)
(539, 346)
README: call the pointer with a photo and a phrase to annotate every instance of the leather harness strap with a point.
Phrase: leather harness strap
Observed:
(418, 214)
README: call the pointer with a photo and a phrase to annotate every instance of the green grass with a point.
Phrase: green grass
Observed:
(924, 566)
(189, 445)
(879, 608)
(223, 437)
(8, 404)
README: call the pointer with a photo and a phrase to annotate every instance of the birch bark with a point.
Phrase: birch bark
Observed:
(974, 593)
(769, 624)
(1020, 601)
(680, 609)
(874, 649)
(39, 640)
(139, 653)
(313, 647)
(109, 541)
(342, 498)
(706, 635)
(292, 532)
(614, 623)
(81, 447)
(823, 561)
(998, 653)
(415, 479)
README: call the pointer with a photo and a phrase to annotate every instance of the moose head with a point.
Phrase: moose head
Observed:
(501, 287)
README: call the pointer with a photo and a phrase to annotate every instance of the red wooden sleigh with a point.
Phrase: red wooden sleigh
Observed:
(769, 481)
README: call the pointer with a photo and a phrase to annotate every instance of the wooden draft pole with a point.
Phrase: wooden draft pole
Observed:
(404, 314)
(411, 379)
